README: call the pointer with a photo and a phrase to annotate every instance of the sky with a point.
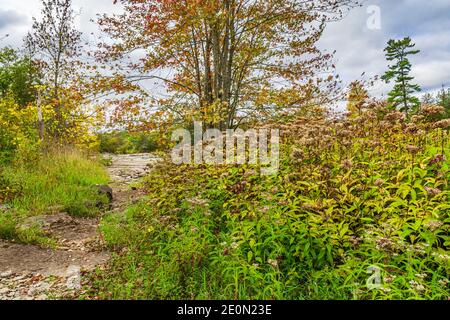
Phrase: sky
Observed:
(359, 39)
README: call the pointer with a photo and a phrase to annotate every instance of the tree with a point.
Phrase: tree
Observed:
(56, 43)
(401, 96)
(18, 75)
(357, 99)
(428, 98)
(17, 126)
(443, 99)
(224, 61)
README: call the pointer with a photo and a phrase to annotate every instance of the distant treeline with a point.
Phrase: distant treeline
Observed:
(122, 142)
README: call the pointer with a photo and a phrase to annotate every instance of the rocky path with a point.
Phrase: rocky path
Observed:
(29, 272)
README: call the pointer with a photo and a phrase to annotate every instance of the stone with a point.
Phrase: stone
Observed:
(42, 297)
(5, 207)
(6, 274)
(106, 190)
(73, 278)
(4, 291)
(18, 278)
(33, 222)
(38, 288)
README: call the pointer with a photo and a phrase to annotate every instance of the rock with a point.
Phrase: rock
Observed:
(32, 222)
(5, 207)
(6, 274)
(106, 190)
(4, 291)
(19, 278)
(73, 278)
(38, 288)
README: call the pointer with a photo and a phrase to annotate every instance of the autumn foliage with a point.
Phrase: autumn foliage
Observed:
(224, 62)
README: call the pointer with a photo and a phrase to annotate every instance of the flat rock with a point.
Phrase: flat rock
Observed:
(48, 262)
(4, 291)
(6, 274)
(4, 207)
(127, 167)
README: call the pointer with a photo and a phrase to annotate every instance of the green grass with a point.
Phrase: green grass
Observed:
(58, 181)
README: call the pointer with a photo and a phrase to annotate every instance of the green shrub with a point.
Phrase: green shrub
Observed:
(8, 225)
(128, 143)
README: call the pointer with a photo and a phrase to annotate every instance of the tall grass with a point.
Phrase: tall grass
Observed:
(59, 180)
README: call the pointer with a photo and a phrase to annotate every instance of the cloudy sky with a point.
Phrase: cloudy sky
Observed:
(359, 39)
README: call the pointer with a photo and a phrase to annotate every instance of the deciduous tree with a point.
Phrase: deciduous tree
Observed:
(223, 61)
(56, 42)
(18, 75)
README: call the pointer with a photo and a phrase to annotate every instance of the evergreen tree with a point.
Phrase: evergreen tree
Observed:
(401, 97)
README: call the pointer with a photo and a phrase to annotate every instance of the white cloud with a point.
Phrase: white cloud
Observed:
(361, 50)
(11, 18)
(32, 8)
(358, 48)
(432, 73)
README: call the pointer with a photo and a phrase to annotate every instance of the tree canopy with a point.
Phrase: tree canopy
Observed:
(18, 75)
(224, 61)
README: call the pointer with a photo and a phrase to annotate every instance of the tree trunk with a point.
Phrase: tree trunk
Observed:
(41, 124)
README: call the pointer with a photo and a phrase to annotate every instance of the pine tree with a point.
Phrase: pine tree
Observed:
(401, 97)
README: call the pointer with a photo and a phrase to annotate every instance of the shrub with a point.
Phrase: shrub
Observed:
(128, 143)
(368, 193)
(16, 128)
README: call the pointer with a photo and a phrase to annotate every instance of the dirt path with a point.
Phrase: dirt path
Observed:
(29, 272)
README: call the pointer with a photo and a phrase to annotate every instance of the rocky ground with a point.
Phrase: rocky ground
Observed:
(127, 168)
(29, 272)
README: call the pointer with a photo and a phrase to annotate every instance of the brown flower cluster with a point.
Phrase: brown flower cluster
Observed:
(432, 192)
(431, 110)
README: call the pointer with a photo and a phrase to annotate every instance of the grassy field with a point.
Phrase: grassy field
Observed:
(60, 180)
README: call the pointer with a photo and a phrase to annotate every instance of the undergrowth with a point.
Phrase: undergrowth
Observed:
(353, 200)
(60, 180)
